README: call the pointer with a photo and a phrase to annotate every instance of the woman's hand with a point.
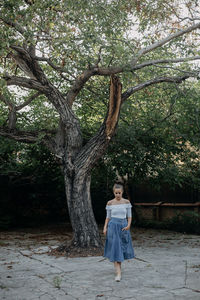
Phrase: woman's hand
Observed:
(104, 230)
(126, 228)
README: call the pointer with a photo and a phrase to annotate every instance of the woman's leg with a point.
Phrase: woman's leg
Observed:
(118, 270)
(117, 267)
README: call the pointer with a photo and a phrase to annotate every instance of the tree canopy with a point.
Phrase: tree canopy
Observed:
(79, 43)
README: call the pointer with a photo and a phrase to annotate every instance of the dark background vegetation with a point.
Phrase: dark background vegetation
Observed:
(32, 188)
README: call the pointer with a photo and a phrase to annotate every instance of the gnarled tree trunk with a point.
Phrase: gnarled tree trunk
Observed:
(78, 161)
(86, 233)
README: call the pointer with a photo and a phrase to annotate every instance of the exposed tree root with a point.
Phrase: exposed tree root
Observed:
(69, 250)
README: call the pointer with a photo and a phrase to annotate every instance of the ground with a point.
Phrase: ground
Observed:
(167, 266)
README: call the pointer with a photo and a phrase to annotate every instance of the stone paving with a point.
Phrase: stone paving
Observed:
(167, 267)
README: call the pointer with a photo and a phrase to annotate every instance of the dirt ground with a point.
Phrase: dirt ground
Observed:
(55, 235)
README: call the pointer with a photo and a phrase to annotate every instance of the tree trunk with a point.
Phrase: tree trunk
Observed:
(78, 161)
(86, 233)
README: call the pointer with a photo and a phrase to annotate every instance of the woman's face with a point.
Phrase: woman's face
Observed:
(118, 193)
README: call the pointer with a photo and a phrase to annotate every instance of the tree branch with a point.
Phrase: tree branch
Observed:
(49, 61)
(132, 90)
(56, 68)
(25, 82)
(114, 107)
(97, 144)
(41, 84)
(29, 65)
(192, 73)
(78, 84)
(21, 136)
(12, 115)
(169, 114)
(15, 25)
(82, 79)
(116, 69)
(7, 102)
(164, 41)
(162, 61)
(28, 101)
(30, 137)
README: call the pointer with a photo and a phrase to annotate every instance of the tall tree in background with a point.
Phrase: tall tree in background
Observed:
(58, 54)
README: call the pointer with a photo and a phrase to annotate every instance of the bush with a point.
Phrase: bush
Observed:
(187, 222)
(151, 224)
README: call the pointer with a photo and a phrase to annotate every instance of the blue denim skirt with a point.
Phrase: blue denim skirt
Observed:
(118, 245)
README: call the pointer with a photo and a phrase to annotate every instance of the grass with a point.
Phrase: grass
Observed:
(57, 282)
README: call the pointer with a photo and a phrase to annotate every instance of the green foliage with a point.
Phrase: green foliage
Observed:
(75, 34)
(23, 159)
(187, 222)
(6, 220)
(57, 282)
(38, 161)
(158, 138)
(8, 156)
(32, 187)
(72, 29)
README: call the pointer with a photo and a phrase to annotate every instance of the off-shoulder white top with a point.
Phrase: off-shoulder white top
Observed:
(120, 211)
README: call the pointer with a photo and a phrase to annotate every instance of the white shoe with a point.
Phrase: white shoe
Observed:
(118, 278)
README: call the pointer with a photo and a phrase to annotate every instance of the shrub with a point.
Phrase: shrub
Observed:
(187, 222)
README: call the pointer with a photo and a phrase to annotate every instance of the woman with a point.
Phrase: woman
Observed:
(118, 245)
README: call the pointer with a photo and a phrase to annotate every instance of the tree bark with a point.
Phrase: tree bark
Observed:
(78, 162)
(85, 229)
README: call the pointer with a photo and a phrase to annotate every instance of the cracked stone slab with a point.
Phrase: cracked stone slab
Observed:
(167, 267)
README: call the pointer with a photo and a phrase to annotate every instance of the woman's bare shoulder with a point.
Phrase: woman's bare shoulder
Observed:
(110, 202)
(126, 201)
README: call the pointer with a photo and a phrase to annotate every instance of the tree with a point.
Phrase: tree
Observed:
(59, 52)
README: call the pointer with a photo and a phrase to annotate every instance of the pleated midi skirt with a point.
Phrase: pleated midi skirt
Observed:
(118, 244)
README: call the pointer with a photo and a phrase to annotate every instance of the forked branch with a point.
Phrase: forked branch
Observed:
(132, 90)
(114, 106)
(95, 147)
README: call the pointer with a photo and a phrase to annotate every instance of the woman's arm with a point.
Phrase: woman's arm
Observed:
(108, 216)
(105, 226)
(129, 224)
(128, 215)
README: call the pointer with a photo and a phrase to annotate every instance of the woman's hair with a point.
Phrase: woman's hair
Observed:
(118, 185)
